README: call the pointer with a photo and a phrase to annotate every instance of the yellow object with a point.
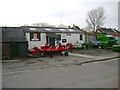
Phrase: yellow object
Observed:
(6, 57)
(99, 47)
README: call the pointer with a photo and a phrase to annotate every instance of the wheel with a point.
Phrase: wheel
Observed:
(100, 46)
(66, 54)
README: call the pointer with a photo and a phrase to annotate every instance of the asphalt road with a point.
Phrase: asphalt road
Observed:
(93, 75)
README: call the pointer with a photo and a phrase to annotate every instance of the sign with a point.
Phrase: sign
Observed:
(63, 35)
(35, 36)
(64, 40)
(57, 42)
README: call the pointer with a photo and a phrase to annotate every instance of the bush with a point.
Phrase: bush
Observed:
(87, 44)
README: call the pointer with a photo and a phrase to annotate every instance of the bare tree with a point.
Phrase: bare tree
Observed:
(47, 25)
(62, 26)
(95, 18)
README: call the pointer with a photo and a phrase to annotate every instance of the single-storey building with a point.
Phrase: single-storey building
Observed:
(14, 42)
(39, 36)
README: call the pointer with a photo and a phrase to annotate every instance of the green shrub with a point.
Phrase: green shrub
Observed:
(87, 44)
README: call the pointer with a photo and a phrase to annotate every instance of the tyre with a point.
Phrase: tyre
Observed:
(66, 54)
(99, 46)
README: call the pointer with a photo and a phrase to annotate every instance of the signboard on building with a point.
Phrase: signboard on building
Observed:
(63, 35)
(35, 36)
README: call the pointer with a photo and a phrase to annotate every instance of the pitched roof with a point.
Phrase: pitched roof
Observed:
(51, 29)
(13, 34)
(108, 30)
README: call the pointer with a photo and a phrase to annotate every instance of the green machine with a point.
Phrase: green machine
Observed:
(116, 48)
(106, 40)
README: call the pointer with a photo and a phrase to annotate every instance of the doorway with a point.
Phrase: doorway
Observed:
(50, 39)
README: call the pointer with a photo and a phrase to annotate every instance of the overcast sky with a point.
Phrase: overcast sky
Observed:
(20, 12)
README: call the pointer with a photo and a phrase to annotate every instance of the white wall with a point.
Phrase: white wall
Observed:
(73, 38)
(36, 43)
(70, 39)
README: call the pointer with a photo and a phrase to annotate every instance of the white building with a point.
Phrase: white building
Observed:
(39, 36)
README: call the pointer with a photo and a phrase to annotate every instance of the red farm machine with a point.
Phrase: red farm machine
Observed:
(49, 50)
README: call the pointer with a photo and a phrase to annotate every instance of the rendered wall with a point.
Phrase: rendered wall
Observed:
(31, 44)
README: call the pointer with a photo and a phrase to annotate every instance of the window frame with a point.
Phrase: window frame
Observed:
(38, 36)
(59, 37)
(80, 37)
(68, 34)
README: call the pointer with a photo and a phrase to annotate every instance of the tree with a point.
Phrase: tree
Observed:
(62, 26)
(40, 24)
(95, 18)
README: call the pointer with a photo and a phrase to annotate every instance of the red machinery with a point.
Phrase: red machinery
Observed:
(36, 52)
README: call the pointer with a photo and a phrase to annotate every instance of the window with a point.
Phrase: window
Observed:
(68, 34)
(35, 36)
(58, 38)
(64, 40)
(81, 38)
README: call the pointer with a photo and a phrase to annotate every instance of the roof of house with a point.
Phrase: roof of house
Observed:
(13, 34)
(108, 30)
(51, 29)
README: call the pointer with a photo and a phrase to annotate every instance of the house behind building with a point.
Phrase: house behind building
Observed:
(111, 31)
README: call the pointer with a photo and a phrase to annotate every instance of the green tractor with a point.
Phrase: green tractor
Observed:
(106, 40)
(116, 48)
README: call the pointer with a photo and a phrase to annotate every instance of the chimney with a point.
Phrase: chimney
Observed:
(69, 27)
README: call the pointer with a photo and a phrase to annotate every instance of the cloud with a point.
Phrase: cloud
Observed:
(20, 12)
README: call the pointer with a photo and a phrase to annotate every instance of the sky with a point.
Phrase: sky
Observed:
(55, 12)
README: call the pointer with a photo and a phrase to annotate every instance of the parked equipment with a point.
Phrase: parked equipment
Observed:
(105, 40)
(116, 48)
(36, 52)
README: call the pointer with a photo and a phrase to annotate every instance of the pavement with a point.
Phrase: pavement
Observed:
(95, 58)
(27, 64)
(78, 55)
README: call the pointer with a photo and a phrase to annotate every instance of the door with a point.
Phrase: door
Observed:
(14, 49)
(47, 40)
(52, 41)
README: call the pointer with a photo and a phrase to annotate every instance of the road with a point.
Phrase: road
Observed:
(91, 75)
